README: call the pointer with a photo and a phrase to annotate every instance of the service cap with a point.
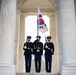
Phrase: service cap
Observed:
(38, 36)
(28, 37)
(48, 37)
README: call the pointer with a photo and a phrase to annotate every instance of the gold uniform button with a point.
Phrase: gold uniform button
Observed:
(48, 48)
(28, 48)
(38, 51)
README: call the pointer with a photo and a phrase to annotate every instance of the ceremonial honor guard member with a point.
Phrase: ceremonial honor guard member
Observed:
(38, 51)
(49, 51)
(28, 46)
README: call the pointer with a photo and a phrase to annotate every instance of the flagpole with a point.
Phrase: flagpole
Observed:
(37, 19)
(37, 23)
(37, 29)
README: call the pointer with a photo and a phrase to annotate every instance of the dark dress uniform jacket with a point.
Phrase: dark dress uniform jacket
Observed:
(38, 47)
(50, 48)
(28, 49)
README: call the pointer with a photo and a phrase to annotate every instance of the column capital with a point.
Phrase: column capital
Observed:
(51, 14)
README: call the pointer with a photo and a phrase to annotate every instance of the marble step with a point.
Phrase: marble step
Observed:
(36, 74)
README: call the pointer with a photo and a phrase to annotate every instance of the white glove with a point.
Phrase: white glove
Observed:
(25, 47)
(46, 46)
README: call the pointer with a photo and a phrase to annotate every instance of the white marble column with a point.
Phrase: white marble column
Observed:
(68, 37)
(75, 10)
(53, 31)
(0, 9)
(17, 33)
(21, 65)
(7, 37)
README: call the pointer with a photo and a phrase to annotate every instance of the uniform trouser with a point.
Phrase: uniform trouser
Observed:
(48, 62)
(27, 63)
(38, 63)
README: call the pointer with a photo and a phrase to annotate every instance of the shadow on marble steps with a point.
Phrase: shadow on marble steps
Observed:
(37, 74)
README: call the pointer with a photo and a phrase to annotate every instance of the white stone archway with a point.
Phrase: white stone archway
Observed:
(53, 32)
(64, 69)
(9, 43)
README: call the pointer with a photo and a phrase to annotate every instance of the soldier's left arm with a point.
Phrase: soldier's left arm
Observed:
(53, 48)
(42, 48)
(32, 47)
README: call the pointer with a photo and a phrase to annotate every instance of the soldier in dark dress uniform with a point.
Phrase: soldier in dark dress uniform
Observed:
(28, 46)
(49, 51)
(38, 51)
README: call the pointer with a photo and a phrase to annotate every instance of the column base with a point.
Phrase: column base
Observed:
(68, 70)
(7, 70)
